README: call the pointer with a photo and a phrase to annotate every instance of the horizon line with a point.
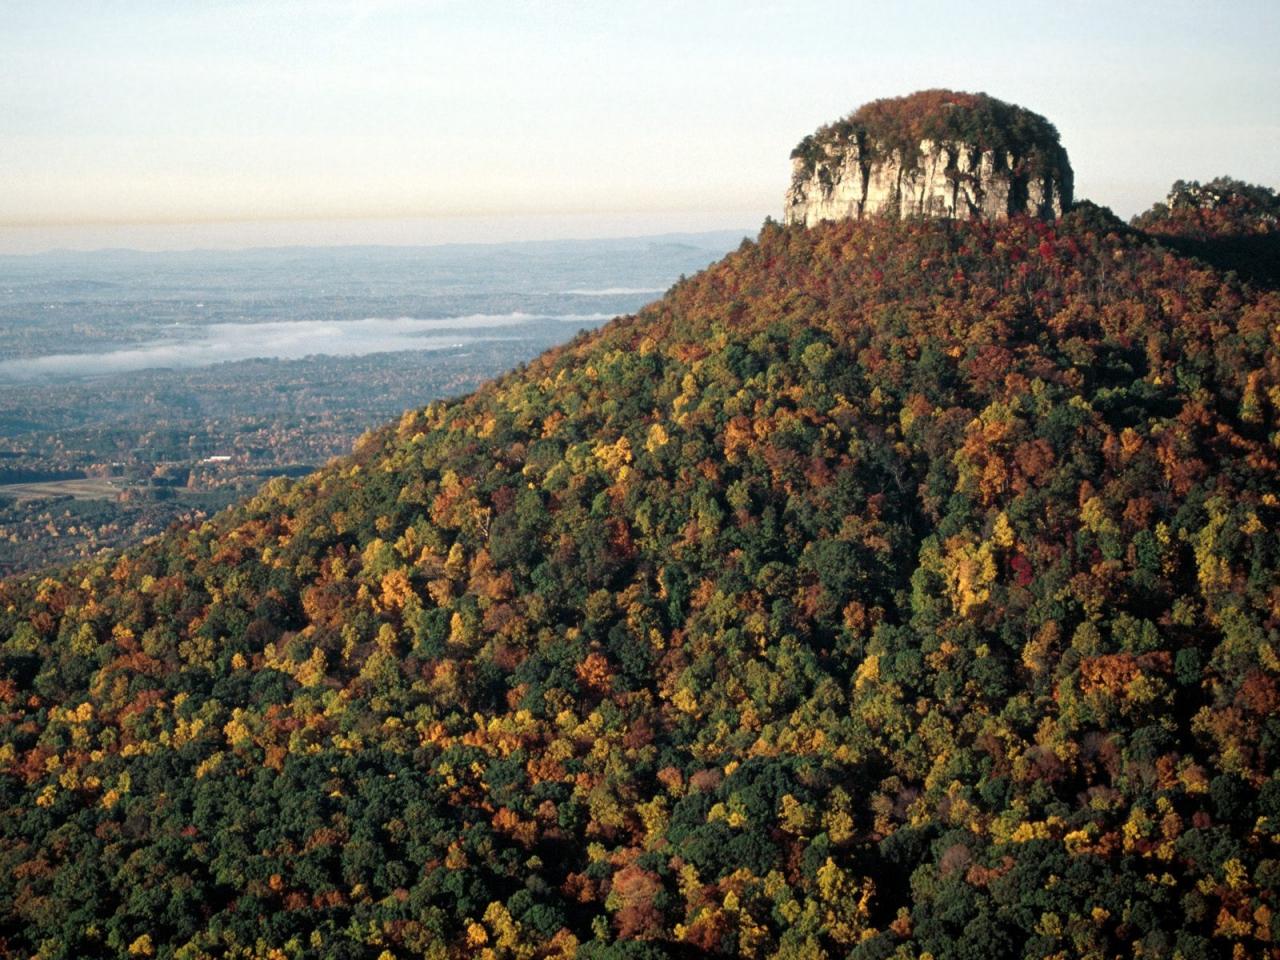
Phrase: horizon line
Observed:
(214, 243)
(370, 217)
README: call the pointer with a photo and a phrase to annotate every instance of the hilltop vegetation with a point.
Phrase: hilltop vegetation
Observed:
(1226, 222)
(898, 125)
(887, 589)
(1223, 207)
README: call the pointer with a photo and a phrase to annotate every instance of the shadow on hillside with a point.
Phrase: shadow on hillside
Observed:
(1255, 259)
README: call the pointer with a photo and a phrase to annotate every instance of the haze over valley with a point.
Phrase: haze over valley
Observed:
(177, 381)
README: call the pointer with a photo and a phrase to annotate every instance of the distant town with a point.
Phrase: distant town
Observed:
(123, 410)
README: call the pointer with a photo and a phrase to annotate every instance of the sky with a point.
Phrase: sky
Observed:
(154, 123)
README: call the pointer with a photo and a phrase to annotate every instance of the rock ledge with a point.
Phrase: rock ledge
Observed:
(937, 153)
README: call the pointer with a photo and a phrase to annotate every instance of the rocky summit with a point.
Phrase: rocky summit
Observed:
(936, 153)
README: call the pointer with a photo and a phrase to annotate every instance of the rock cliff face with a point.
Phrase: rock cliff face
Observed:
(935, 154)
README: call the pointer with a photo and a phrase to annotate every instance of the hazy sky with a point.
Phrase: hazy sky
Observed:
(480, 114)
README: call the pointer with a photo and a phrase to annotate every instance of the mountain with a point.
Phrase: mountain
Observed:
(936, 153)
(891, 588)
(1227, 222)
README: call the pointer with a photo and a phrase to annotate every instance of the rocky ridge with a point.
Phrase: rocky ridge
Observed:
(934, 154)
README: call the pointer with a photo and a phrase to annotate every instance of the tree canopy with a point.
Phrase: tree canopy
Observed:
(897, 125)
(888, 589)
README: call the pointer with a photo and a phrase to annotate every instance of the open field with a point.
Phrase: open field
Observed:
(88, 488)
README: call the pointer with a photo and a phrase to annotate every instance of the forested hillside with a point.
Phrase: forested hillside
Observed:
(888, 589)
(1226, 222)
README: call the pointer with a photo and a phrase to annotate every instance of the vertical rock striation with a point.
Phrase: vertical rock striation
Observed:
(935, 154)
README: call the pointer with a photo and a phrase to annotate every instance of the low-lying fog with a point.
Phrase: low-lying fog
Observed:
(203, 345)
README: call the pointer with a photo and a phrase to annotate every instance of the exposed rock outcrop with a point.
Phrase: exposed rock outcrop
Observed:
(936, 154)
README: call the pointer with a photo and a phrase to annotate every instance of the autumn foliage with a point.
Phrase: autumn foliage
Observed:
(899, 124)
(888, 589)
